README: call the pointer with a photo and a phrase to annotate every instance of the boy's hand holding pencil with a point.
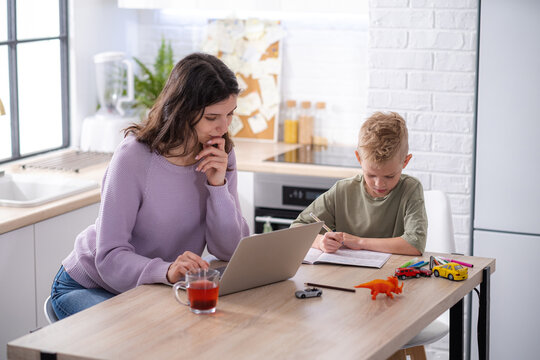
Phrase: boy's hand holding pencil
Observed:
(329, 242)
(317, 219)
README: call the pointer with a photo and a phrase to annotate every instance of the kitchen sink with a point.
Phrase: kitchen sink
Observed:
(25, 190)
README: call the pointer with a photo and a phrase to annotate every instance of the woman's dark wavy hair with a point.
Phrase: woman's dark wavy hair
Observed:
(196, 81)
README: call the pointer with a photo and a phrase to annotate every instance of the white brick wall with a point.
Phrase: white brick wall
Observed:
(422, 64)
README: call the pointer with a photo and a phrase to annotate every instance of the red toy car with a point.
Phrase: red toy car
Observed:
(406, 272)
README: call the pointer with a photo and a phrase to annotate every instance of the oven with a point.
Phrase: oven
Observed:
(279, 198)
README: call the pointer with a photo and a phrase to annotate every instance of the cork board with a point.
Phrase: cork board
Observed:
(252, 49)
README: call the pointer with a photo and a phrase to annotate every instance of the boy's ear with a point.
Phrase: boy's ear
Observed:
(407, 159)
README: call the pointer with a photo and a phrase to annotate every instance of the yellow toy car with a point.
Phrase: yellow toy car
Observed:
(452, 271)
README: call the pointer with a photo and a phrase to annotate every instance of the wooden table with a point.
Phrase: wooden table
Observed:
(266, 322)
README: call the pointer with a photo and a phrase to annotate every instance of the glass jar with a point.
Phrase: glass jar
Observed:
(305, 124)
(321, 115)
(290, 126)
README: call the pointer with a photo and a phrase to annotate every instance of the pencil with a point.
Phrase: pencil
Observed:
(330, 287)
(420, 264)
(317, 219)
(459, 262)
(408, 263)
(440, 260)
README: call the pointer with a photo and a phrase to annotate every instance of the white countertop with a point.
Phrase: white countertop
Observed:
(250, 157)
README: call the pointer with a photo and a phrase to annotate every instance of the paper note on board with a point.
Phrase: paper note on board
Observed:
(236, 125)
(241, 83)
(252, 53)
(251, 49)
(232, 62)
(211, 47)
(254, 29)
(226, 44)
(256, 70)
(273, 33)
(257, 123)
(269, 90)
(246, 105)
(271, 66)
(269, 111)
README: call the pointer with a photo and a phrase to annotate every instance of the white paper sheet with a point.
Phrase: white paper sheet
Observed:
(246, 105)
(271, 66)
(257, 123)
(242, 85)
(347, 257)
(269, 90)
(269, 111)
(236, 125)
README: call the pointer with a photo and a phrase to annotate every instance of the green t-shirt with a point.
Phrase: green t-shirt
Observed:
(347, 207)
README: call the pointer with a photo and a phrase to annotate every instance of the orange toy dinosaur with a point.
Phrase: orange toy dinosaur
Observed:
(383, 286)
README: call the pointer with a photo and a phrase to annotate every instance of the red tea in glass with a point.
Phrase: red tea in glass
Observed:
(202, 288)
(202, 296)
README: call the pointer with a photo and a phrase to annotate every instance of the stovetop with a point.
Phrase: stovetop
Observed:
(331, 155)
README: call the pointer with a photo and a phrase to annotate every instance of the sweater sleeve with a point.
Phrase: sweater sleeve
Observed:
(225, 225)
(323, 207)
(117, 263)
(415, 220)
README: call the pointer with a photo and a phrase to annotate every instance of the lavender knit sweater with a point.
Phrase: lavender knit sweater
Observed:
(151, 212)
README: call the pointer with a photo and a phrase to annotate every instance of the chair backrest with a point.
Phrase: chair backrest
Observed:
(440, 235)
(49, 311)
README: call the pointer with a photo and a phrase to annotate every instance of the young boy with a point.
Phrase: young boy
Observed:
(382, 209)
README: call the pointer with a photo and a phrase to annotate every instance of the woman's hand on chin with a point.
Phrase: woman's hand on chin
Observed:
(214, 161)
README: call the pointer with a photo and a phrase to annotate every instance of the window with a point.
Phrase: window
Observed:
(33, 77)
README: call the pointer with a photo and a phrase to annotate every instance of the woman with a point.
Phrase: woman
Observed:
(169, 190)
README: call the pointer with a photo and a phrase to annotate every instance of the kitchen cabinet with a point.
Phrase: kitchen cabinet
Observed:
(246, 197)
(18, 300)
(53, 240)
(29, 259)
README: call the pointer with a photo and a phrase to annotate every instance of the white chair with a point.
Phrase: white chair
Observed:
(49, 311)
(440, 238)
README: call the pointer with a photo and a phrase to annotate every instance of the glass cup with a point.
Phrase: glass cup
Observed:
(202, 289)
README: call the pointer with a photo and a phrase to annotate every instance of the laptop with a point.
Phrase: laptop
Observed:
(263, 259)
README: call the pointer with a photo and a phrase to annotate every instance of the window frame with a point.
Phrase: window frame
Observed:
(12, 43)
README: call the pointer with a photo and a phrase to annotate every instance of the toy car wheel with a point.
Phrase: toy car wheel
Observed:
(450, 277)
(402, 277)
(436, 273)
(417, 275)
(303, 296)
(319, 294)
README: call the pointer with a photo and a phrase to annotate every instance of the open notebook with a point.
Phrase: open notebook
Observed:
(347, 257)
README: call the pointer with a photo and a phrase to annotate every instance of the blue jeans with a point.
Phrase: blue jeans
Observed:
(69, 297)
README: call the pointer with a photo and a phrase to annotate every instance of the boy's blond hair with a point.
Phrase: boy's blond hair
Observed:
(382, 136)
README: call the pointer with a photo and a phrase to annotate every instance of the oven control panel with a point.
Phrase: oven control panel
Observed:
(291, 192)
(296, 195)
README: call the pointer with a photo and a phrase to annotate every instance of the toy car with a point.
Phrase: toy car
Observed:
(452, 271)
(308, 292)
(406, 272)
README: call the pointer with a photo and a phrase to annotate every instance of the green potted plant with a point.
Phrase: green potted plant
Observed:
(150, 82)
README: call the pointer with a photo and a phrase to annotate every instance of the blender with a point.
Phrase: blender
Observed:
(102, 132)
(112, 72)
